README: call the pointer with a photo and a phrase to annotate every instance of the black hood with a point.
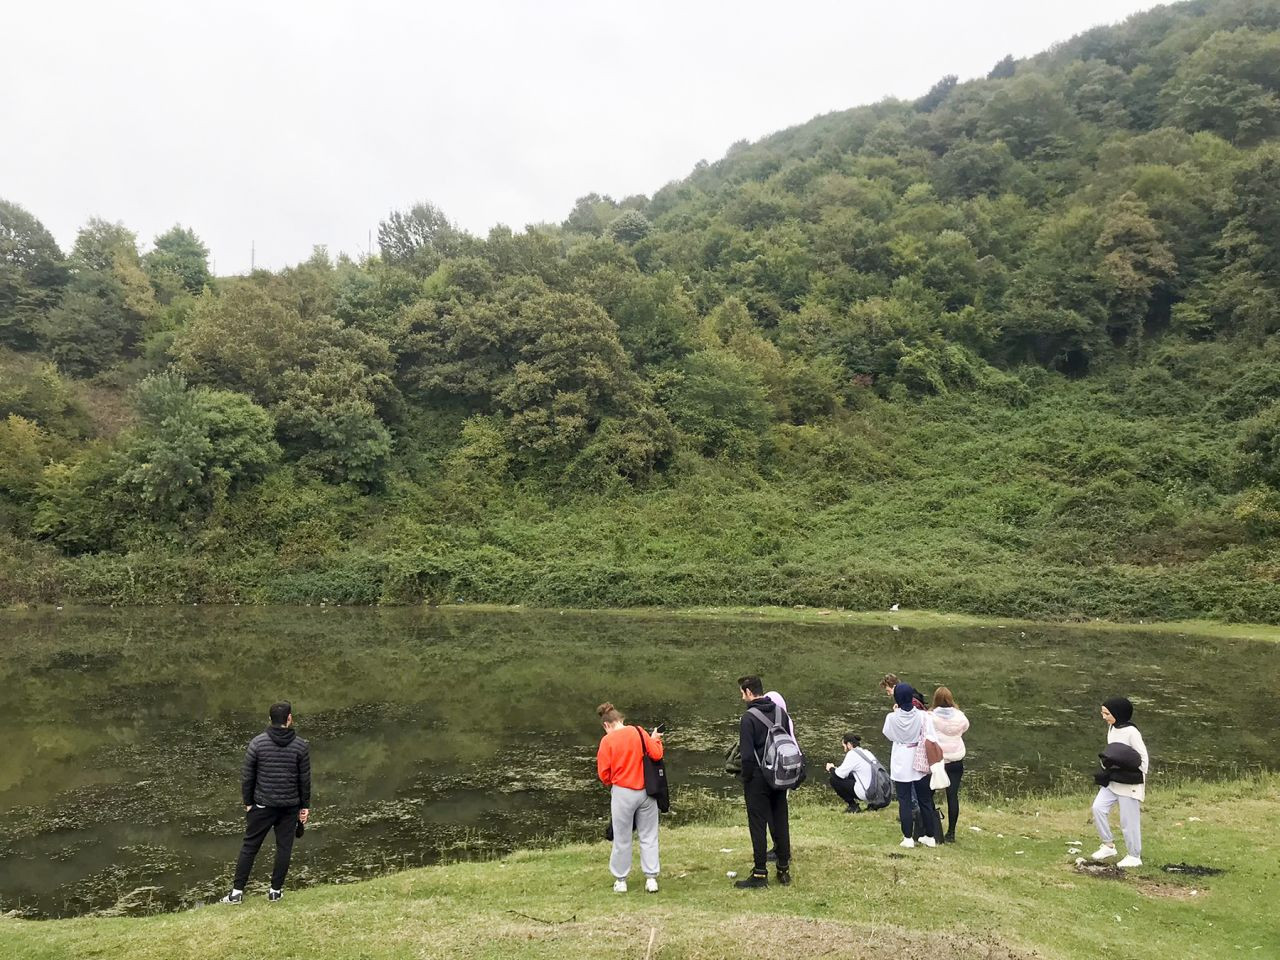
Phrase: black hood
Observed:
(765, 705)
(1121, 709)
(281, 736)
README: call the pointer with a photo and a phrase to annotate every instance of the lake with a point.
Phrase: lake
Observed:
(446, 734)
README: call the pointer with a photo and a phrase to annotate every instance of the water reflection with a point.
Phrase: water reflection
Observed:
(450, 733)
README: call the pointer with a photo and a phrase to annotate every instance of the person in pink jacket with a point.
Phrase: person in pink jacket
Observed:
(950, 723)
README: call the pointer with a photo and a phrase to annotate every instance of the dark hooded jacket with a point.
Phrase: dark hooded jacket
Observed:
(1120, 764)
(752, 733)
(277, 770)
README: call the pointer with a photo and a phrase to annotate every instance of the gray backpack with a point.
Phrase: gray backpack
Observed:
(880, 790)
(782, 763)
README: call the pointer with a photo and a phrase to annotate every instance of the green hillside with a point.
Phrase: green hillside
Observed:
(1007, 348)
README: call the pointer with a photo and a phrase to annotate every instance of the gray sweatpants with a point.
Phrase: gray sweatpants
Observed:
(633, 807)
(1130, 820)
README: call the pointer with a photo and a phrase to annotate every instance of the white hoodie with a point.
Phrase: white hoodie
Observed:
(950, 723)
(904, 728)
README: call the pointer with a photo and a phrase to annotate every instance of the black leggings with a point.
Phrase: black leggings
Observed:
(955, 770)
(924, 797)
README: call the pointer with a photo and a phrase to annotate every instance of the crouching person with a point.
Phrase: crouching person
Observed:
(852, 778)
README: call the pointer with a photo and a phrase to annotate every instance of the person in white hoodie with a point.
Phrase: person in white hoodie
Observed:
(905, 727)
(949, 724)
(1118, 714)
(852, 778)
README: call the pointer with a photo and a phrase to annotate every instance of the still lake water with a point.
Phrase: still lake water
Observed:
(440, 734)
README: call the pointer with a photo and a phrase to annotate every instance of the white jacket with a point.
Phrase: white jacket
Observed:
(949, 725)
(905, 730)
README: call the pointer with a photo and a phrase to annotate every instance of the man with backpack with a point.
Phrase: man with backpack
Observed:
(860, 777)
(771, 765)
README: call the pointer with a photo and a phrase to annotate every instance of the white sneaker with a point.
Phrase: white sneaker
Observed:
(1104, 852)
(619, 886)
(1130, 861)
(928, 841)
(650, 884)
(907, 842)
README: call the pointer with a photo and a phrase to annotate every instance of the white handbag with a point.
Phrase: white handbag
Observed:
(939, 780)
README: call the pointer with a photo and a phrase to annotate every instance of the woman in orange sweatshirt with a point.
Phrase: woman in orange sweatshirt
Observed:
(621, 768)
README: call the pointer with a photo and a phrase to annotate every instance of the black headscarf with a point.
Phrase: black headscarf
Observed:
(1121, 709)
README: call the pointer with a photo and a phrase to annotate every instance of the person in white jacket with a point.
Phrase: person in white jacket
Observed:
(905, 728)
(949, 724)
(1118, 713)
(851, 779)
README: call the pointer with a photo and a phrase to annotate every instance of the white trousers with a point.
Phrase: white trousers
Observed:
(633, 810)
(1130, 820)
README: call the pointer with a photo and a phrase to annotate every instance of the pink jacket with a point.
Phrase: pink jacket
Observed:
(950, 723)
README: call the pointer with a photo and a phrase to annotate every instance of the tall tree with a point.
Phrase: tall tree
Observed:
(32, 274)
(178, 253)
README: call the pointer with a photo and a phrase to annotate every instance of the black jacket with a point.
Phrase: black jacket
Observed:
(277, 770)
(1120, 764)
(752, 733)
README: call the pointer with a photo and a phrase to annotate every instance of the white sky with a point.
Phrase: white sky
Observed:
(287, 123)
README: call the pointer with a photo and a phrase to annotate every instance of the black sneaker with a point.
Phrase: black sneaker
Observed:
(772, 856)
(233, 897)
(753, 882)
(852, 808)
(784, 876)
(274, 895)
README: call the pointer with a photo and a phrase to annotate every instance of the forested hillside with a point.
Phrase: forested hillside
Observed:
(1005, 348)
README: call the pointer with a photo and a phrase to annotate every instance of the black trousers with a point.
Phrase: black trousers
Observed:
(955, 770)
(845, 788)
(258, 823)
(767, 811)
(920, 792)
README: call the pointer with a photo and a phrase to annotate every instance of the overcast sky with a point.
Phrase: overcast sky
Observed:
(286, 124)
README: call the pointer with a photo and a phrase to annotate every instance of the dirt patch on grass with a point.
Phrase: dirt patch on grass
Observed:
(700, 937)
(1191, 870)
(1161, 890)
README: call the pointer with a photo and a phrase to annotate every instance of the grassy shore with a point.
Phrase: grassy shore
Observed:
(920, 619)
(1008, 889)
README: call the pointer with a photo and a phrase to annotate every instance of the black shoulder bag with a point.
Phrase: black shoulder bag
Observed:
(655, 776)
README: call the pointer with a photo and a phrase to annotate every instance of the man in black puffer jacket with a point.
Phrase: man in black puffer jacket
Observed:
(275, 785)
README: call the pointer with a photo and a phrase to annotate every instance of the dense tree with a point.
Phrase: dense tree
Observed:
(419, 239)
(32, 274)
(1231, 86)
(192, 444)
(179, 254)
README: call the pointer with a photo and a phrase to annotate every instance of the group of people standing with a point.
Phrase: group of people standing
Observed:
(910, 726)
(927, 744)
(927, 751)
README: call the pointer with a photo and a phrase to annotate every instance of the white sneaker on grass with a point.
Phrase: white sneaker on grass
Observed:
(907, 842)
(1130, 861)
(928, 841)
(619, 886)
(650, 884)
(1104, 852)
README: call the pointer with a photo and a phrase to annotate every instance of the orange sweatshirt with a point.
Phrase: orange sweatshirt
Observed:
(618, 759)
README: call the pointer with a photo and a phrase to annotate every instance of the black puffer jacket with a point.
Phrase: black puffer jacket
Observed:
(277, 770)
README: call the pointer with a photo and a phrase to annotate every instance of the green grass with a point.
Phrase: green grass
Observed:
(1009, 891)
